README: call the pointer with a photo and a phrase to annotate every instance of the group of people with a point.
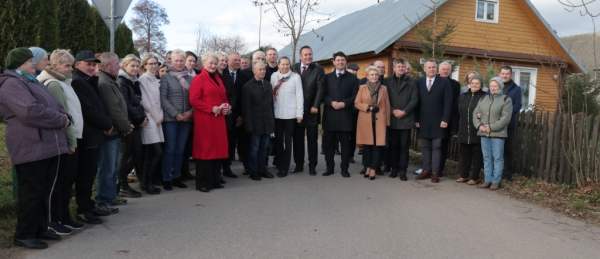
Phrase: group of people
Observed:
(71, 120)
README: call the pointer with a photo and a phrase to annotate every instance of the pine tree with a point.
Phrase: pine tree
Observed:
(48, 22)
(124, 41)
(102, 32)
(16, 31)
(76, 30)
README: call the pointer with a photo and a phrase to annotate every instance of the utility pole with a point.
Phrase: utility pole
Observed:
(259, 26)
(112, 26)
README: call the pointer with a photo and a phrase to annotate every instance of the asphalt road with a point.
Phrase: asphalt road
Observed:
(303, 216)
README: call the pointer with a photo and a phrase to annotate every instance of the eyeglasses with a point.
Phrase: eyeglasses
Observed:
(152, 64)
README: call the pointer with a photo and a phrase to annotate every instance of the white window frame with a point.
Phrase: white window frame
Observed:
(532, 84)
(496, 10)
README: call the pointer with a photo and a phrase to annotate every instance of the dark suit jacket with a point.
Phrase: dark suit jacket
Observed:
(454, 118)
(403, 96)
(311, 83)
(231, 97)
(257, 103)
(250, 74)
(342, 89)
(240, 80)
(434, 107)
(95, 116)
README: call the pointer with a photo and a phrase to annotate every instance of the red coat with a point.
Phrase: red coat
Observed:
(210, 131)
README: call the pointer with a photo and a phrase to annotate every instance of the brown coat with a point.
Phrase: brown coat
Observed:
(364, 127)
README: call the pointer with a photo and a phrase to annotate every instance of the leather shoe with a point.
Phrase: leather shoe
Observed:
(48, 236)
(129, 193)
(435, 178)
(229, 173)
(266, 174)
(219, 187)
(297, 170)
(222, 181)
(203, 190)
(246, 172)
(403, 177)
(424, 175)
(312, 172)
(255, 176)
(177, 183)
(30, 243)
(363, 171)
(345, 173)
(387, 169)
(328, 172)
(378, 171)
(187, 175)
(394, 173)
(281, 174)
(98, 212)
(351, 161)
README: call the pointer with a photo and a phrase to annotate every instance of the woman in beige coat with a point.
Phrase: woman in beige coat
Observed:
(373, 118)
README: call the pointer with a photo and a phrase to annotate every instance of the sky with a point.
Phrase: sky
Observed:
(242, 17)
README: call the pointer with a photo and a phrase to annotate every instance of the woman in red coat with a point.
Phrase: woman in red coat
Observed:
(209, 99)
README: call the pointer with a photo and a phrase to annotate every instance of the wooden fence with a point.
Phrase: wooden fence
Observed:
(557, 147)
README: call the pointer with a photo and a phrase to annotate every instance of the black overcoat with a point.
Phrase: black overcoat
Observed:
(257, 103)
(404, 96)
(95, 116)
(133, 98)
(312, 81)
(231, 97)
(434, 107)
(240, 80)
(342, 89)
(467, 133)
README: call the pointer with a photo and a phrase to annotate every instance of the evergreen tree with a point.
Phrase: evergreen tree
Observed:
(16, 31)
(48, 22)
(124, 41)
(76, 30)
(102, 32)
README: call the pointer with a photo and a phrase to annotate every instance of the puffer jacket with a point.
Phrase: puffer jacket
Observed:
(34, 119)
(174, 99)
(496, 111)
(467, 102)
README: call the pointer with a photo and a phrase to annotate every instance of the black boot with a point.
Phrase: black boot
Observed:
(185, 173)
(126, 191)
(148, 185)
(403, 176)
(394, 173)
(167, 185)
(254, 176)
(177, 183)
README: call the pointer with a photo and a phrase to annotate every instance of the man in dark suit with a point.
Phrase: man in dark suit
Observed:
(337, 94)
(404, 97)
(313, 76)
(239, 79)
(229, 119)
(432, 118)
(445, 72)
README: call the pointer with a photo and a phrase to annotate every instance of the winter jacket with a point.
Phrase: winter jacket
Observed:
(95, 117)
(514, 92)
(289, 103)
(149, 86)
(467, 133)
(257, 102)
(60, 85)
(496, 111)
(34, 119)
(130, 88)
(115, 104)
(403, 96)
(174, 99)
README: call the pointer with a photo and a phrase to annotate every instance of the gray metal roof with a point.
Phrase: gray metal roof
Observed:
(371, 29)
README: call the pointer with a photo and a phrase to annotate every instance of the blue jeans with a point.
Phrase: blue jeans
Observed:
(493, 158)
(108, 168)
(176, 134)
(258, 152)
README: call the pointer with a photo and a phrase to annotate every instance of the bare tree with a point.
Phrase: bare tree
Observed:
(292, 16)
(147, 20)
(207, 41)
(584, 10)
(200, 34)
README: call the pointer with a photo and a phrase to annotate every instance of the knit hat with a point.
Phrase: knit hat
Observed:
(480, 79)
(499, 81)
(38, 53)
(17, 57)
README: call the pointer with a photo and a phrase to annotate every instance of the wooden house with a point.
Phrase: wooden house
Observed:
(508, 32)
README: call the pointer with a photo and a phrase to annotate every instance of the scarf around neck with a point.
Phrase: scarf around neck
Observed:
(373, 90)
(181, 77)
(25, 74)
(281, 80)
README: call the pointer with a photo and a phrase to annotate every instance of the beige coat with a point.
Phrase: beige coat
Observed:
(364, 127)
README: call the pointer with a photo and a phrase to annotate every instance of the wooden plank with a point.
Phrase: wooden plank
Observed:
(570, 145)
(563, 148)
(594, 149)
(578, 166)
(525, 135)
(547, 167)
(530, 141)
(537, 137)
(542, 151)
(586, 146)
(518, 135)
(557, 147)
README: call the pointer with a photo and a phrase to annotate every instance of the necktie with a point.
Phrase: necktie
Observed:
(233, 76)
(429, 85)
(339, 74)
(303, 70)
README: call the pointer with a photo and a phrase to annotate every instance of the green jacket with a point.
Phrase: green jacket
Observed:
(496, 111)
(110, 92)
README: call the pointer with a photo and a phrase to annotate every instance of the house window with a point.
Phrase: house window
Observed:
(526, 78)
(487, 11)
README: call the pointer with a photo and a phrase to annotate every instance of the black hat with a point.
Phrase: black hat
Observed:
(86, 55)
(353, 66)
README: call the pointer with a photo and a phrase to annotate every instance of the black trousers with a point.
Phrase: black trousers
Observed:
(130, 154)
(61, 196)
(372, 156)
(208, 173)
(231, 142)
(243, 144)
(472, 160)
(312, 139)
(284, 130)
(509, 156)
(399, 145)
(35, 181)
(444, 155)
(87, 168)
(152, 157)
(329, 140)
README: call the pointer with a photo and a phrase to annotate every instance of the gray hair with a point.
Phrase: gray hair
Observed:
(431, 60)
(258, 53)
(371, 67)
(178, 52)
(257, 62)
(445, 63)
(207, 55)
(106, 57)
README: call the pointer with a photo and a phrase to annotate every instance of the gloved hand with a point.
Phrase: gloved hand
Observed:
(375, 109)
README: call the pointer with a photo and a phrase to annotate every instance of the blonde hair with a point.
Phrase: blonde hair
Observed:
(222, 53)
(178, 52)
(145, 61)
(466, 78)
(206, 55)
(128, 59)
(60, 56)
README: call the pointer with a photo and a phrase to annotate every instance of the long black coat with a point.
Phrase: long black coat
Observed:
(342, 89)
(133, 98)
(467, 133)
(454, 118)
(250, 74)
(231, 97)
(312, 81)
(257, 103)
(434, 107)
(403, 96)
(240, 80)
(95, 116)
